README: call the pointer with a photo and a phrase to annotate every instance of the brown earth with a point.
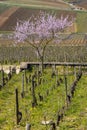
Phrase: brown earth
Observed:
(23, 14)
(5, 15)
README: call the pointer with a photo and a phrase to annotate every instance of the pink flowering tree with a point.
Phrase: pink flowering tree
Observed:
(40, 31)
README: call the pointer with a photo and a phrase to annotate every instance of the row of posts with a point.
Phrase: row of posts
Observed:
(34, 100)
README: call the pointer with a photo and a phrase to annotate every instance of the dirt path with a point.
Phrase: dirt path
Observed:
(5, 15)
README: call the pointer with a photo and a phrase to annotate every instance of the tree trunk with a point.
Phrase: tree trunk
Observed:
(65, 78)
(41, 57)
(42, 63)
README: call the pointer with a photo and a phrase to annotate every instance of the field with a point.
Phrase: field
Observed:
(4, 16)
(9, 20)
(8, 25)
(38, 3)
(81, 19)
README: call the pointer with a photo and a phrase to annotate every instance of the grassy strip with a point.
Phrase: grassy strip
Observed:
(81, 21)
(76, 116)
(48, 107)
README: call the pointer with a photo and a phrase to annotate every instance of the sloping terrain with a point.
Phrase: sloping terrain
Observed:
(81, 3)
(25, 13)
(39, 3)
(76, 116)
(4, 16)
(8, 22)
(3, 8)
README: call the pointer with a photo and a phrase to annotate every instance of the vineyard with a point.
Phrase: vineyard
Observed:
(42, 98)
(57, 53)
(45, 101)
(71, 49)
(37, 93)
(48, 101)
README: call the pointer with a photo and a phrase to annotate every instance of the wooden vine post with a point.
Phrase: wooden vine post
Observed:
(18, 113)
(56, 76)
(17, 106)
(65, 79)
(34, 100)
(22, 93)
(26, 80)
(75, 72)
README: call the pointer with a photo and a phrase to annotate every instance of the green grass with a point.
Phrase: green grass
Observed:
(76, 116)
(81, 21)
(48, 107)
(36, 4)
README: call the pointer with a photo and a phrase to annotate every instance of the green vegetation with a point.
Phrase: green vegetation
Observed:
(81, 21)
(73, 0)
(37, 4)
(48, 107)
(76, 115)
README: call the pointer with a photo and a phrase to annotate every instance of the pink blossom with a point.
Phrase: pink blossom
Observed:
(43, 27)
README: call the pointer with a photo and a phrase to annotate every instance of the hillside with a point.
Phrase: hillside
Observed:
(6, 14)
(3, 7)
(24, 9)
(9, 21)
(81, 3)
(38, 4)
(25, 13)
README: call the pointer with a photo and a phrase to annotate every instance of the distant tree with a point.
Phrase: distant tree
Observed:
(41, 30)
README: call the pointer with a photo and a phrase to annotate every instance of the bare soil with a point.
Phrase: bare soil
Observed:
(5, 15)
(24, 14)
